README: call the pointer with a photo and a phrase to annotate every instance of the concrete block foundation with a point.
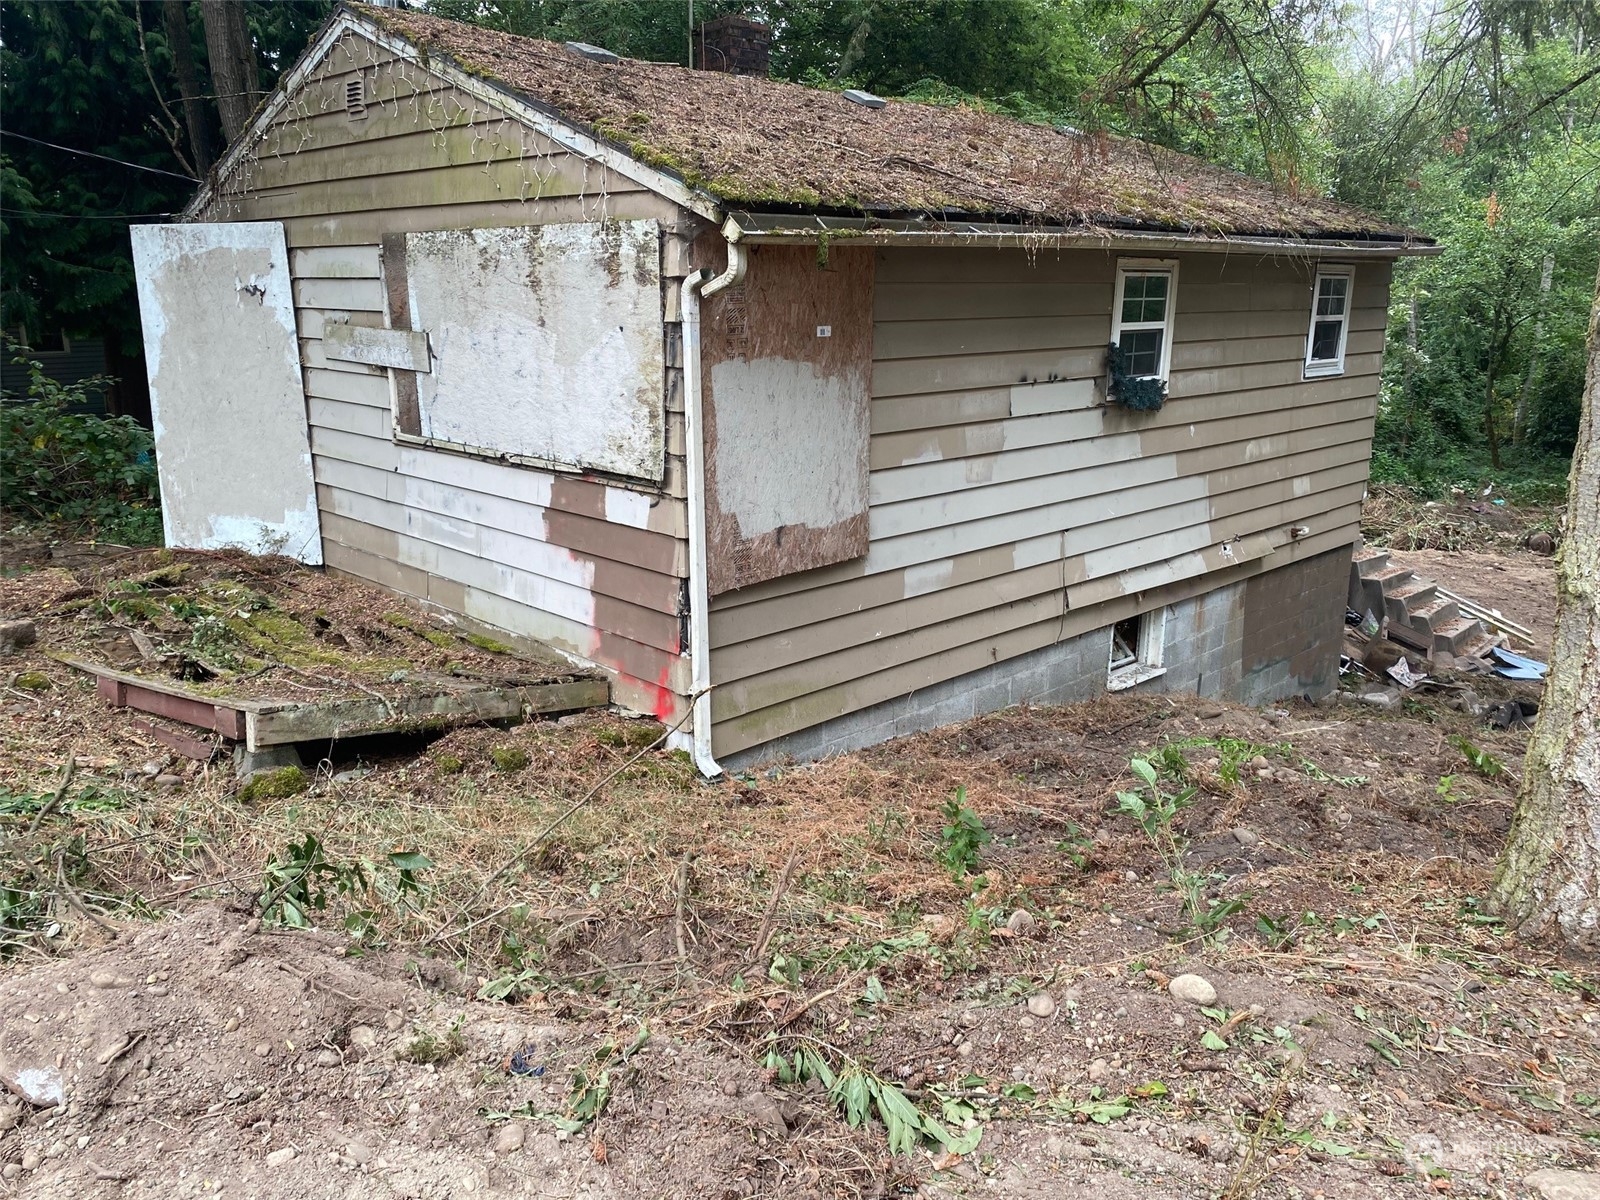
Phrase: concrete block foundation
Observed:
(1270, 637)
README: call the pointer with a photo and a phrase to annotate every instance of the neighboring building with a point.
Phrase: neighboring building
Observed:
(62, 359)
(441, 328)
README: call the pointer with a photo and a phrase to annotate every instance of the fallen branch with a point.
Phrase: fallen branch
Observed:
(682, 889)
(760, 945)
(61, 790)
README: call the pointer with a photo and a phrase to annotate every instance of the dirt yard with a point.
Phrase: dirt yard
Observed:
(549, 962)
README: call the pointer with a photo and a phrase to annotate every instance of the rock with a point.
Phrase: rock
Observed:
(262, 1049)
(42, 1087)
(108, 979)
(941, 928)
(1099, 1071)
(281, 1157)
(968, 1018)
(231, 1024)
(1027, 1022)
(31, 1160)
(14, 635)
(328, 1058)
(1041, 1005)
(8, 1117)
(1260, 763)
(1192, 989)
(358, 1153)
(394, 1022)
(1246, 837)
(1219, 1149)
(1385, 700)
(764, 1111)
(1022, 923)
(55, 1149)
(363, 1037)
(10, 1170)
(169, 781)
(508, 1138)
(1552, 1184)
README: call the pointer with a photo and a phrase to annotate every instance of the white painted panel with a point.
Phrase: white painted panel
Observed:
(232, 447)
(547, 342)
(399, 348)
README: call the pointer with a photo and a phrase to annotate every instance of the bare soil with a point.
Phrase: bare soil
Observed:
(650, 961)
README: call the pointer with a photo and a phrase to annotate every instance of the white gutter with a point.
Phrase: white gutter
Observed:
(696, 285)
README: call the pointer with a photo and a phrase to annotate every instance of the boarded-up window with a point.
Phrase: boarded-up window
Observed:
(788, 365)
(546, 343)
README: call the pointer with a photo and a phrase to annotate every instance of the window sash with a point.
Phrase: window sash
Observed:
(1330, 322)
(1136, 310)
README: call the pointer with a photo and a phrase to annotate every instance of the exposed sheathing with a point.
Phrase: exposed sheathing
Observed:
(1011, 510)
(490, 540)
(787, 357)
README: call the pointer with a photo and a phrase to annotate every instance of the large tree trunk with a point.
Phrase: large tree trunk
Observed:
(175, 22)
(1550, 874)
(234, 76)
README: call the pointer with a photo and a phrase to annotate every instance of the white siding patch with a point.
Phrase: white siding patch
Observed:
(928, 577)
(547, 342)
(1061, 396)
(624, 507)
(377, 347)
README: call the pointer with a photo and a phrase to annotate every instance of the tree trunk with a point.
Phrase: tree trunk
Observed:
(1550, 873)
(1519, 425)
(234, 76)
(175, 22)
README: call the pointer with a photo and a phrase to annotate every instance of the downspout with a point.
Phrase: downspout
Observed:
(695, 286)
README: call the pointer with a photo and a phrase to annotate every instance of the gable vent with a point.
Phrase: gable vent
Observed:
(355, 99)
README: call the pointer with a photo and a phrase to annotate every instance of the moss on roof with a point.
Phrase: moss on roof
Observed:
(766, 144)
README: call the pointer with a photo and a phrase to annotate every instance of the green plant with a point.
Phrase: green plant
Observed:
(508, 758)
(92, 472)
(1446, 789)
(1482, 761)
(962, 836)
(859, 1094)
(278, 784)
(1155, 810)
(303, 879)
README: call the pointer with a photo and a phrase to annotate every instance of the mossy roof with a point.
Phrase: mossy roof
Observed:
(763, 144)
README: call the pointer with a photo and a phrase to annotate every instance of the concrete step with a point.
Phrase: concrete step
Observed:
(1369, 562)
(1430, 616)
(1404, 600)
(1455, 636)
(1369, 591)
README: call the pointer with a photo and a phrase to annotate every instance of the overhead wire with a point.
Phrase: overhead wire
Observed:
(7, 133)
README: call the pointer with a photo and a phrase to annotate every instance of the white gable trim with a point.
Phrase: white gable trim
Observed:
(560, 132)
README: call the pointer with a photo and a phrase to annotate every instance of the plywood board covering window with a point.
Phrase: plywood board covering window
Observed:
(1330, 321)
(547, 343)
(788, 361)
(1141, 319)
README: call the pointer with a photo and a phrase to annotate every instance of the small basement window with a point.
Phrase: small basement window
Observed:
(1141, 321)
(1136, 644)
(1330, 322)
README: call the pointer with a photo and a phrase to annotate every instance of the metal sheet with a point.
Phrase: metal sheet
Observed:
(547, 343)
(232, 447)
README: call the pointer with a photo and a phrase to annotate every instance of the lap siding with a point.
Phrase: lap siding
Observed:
(989, 508)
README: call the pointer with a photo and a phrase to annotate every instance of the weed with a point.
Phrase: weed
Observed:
(962, 837)
(301, 881)
(508, 758)
(860, 1094)
(1317, 773)
(449, 764)
(278, 784)
(1156, 810)
(1482, 761)
(1077, 846)
(1446, 789)
(429, 1047)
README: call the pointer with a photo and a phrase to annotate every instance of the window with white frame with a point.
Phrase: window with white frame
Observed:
(1330, 322)
(1136, 646)
(1141, 318)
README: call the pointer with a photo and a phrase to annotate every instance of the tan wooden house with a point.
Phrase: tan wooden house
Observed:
(792, 410)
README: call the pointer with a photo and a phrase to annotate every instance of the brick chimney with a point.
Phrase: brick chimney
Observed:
(734, 45)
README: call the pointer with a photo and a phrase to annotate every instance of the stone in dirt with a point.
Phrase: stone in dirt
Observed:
(509, 1138)
(1246, 837)
(1041, 1005)
(1022, 923)
(1192, 989)
(42, 1087)
(1564, 1185)
(16, 634)
(281, 1157)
